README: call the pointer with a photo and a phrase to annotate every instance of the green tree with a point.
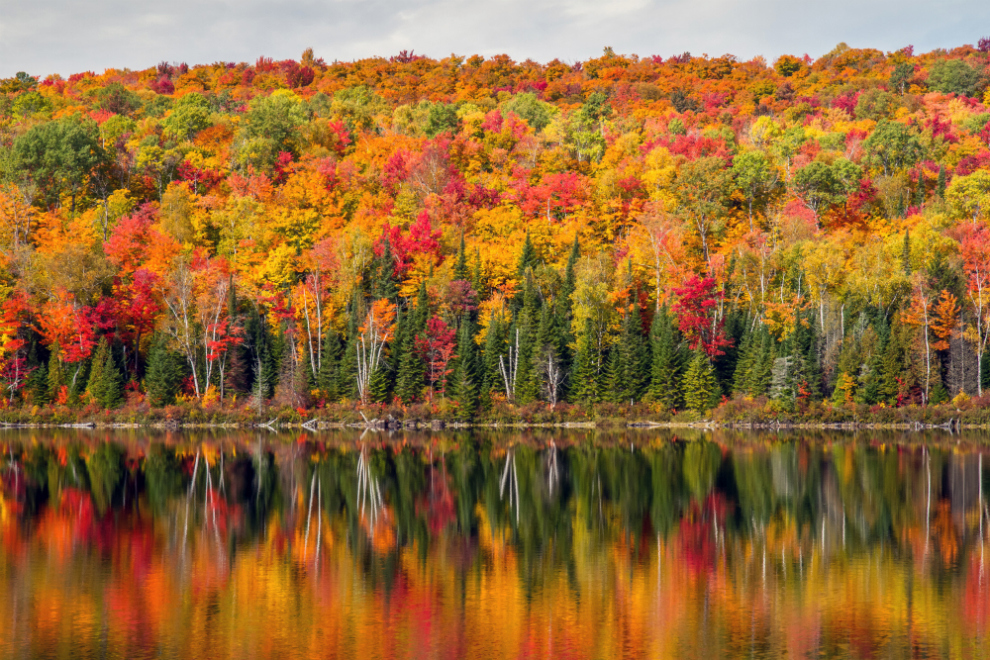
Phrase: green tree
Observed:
(164, 373)
(955, 77)
(757, 179)
(892, 146)
(189, 115)
(59, 156)
(701, 391)
(105, 385)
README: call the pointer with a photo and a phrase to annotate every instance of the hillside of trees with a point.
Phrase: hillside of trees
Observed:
(470, 236)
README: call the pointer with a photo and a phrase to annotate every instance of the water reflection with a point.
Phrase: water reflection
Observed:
(492, 545)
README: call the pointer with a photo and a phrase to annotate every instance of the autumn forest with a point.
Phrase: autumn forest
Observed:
(479, 239)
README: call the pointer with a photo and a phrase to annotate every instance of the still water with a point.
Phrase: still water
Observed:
(485, 545)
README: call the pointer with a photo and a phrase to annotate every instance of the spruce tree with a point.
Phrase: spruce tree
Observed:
(940, 186)
(527, 259)
(701, 392)
(667, 361)
(383, 283)
(411, 370)
(464, 379)
(56, 375)
(326, 379)
(105, 386)
(347, 368)
(588, 369)
(495, 346)
(164, 374)
(631, 371)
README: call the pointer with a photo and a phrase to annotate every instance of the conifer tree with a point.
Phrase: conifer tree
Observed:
(667, 362)
(464, 379)
(631, 364)
(105, 386)
(940, 186)
(56, 375)
(383, 283)
(411, 371)
(163, 377)
(587, 375)
(495, 346)
(701, 391)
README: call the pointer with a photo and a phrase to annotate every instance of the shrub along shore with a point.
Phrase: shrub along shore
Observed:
(741, 413)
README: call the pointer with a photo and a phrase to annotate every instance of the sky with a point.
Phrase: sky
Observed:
(43, 37)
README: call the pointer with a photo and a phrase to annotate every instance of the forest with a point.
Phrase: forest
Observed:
(477, 239)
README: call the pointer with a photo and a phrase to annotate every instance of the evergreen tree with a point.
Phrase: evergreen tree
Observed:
(588, 368)
(667, 361)
(105, 386)
(495, 346)
(701, 392)
(527, 259)
(56, 375)
(37, 381)
(940, 186)
(919, 192)
(527, 379)
(464, 379)
(164, 374)
(411, 377)
(631, 364)
(347, 368)
(383, 283)
(326, 379)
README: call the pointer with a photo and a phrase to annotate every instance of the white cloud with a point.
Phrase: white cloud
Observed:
(53, 36)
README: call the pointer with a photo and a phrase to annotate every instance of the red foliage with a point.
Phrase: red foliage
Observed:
(421, 239)
(699, 316)
(436, 348)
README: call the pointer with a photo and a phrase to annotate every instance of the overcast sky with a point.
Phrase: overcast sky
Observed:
(67, 36)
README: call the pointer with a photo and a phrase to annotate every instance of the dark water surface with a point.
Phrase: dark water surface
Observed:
(493, 545)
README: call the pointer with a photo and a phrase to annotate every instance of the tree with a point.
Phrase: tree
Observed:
(820, 186)
(164, 374)
(105, 387)
(59, 156)
(892, 146)
(667, 363)
(436, 347)
(373, 336)
(955, 77)
(701, 391)
(701, 192)
(757, 179)
(630, 373)
(699, 315)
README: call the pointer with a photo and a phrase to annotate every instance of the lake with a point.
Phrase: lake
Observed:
(484, 544)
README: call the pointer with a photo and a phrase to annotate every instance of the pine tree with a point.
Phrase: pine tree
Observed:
(105, 386)
(906, 253)
(495, 346)
(526, 322)
(163, 377)
(347, 367)
(940, 186)
(527, 259)
(464, 379)
(411, 371)
(56, 375)
(326, 379)
(588, 369)
(701, 392)
(383, 274)
(667, 361)
(632, 368)
(919, 192)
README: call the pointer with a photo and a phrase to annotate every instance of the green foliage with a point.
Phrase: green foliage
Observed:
(105, 386)
(536, 113)
(442, 118)
(189, 115)
(955, 77)
(701, 390)
(59, 155)
(164, 374)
